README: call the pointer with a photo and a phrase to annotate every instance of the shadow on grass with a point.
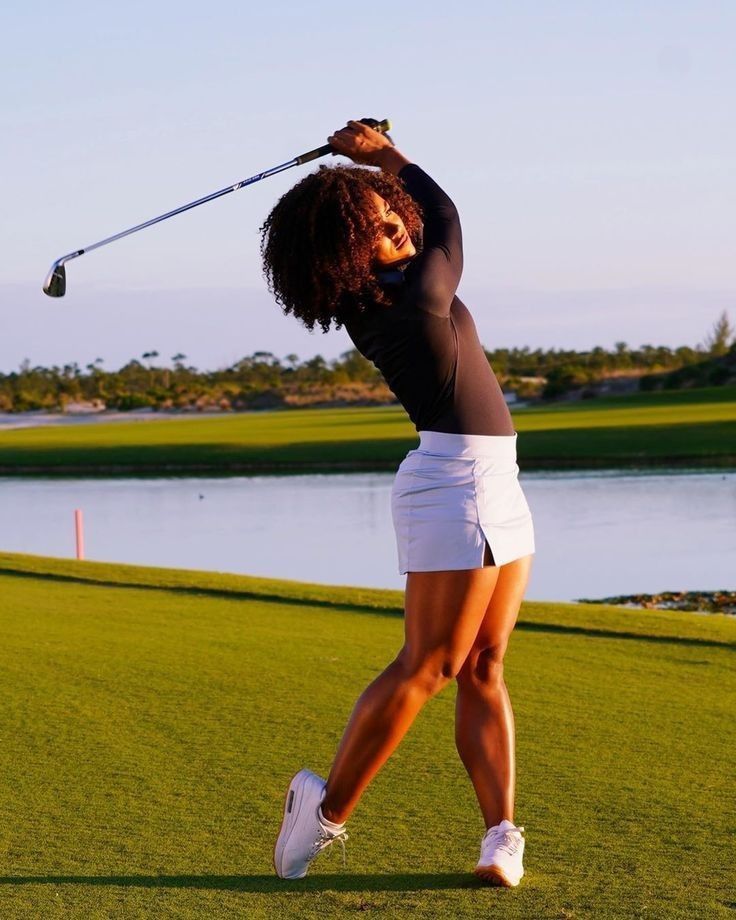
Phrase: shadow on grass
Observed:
(266, 884)
(202, 591)
(615, 634)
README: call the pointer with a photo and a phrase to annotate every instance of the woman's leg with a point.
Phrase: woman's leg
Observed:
(484, 719)
(443, 612)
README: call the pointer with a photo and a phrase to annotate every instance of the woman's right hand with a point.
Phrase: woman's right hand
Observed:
(361, 143)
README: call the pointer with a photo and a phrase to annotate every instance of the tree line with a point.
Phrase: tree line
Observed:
(263, 380)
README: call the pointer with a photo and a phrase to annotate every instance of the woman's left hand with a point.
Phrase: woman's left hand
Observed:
(359, 142)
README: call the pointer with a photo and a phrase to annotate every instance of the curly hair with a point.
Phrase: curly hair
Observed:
(318, 243)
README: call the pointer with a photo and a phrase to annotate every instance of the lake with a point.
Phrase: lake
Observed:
(598, 534)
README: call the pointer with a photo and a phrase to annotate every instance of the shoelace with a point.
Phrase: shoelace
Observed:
(324, 839)
(508, 840)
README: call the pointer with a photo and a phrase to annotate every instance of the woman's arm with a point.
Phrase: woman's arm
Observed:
(390, 160)
(436, 271)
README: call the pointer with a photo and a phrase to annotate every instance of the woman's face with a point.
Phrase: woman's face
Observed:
(394, 244)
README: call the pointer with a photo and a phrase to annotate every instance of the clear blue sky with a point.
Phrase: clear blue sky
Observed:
(590, 148)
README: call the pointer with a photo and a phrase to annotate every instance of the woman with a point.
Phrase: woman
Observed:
(380, 252)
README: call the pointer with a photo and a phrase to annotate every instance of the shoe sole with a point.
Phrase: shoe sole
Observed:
(492, 875)
(287, 823)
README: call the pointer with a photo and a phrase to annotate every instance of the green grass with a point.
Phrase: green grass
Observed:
(152, 719)
(681, 428)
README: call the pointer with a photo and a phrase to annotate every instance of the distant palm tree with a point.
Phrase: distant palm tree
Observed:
(149, 356)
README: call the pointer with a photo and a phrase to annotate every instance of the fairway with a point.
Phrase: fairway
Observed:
(695, 428)
(152, 719)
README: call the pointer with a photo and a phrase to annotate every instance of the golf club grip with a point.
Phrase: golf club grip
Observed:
(382, 126)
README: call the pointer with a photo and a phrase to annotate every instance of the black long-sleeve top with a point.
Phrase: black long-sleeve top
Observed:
(425, 344)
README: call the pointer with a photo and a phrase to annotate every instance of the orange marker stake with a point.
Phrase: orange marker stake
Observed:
(79, 528)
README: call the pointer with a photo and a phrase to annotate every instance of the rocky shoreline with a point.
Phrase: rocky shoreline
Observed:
(692, 601)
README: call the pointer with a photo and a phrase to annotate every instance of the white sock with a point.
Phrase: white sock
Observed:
(330, 825)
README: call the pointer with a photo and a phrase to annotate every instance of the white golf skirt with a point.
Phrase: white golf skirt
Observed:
(453, 494)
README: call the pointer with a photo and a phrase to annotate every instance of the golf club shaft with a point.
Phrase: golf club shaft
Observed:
(55, 282)
(186, 207)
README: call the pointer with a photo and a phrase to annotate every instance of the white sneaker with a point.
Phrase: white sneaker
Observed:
(303, 836)
(501, 852)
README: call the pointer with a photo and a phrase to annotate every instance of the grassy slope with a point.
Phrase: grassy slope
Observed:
(689, 427)
(152, 719)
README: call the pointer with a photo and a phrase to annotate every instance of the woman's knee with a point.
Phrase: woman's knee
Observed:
(483, 668)
(430, 672)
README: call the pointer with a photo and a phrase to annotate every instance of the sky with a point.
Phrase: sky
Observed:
(589, 147)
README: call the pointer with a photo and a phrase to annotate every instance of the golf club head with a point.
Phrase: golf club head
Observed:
(55, 283)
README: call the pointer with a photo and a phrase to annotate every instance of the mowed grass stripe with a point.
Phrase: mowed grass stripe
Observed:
(650, 625)
(148, 736)
(692, 426)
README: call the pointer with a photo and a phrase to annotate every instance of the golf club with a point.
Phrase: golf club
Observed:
(55, 283)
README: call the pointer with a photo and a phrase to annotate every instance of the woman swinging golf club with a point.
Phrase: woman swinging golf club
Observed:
(380, 252)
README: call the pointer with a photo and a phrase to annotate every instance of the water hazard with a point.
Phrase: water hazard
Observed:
(597, 534)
